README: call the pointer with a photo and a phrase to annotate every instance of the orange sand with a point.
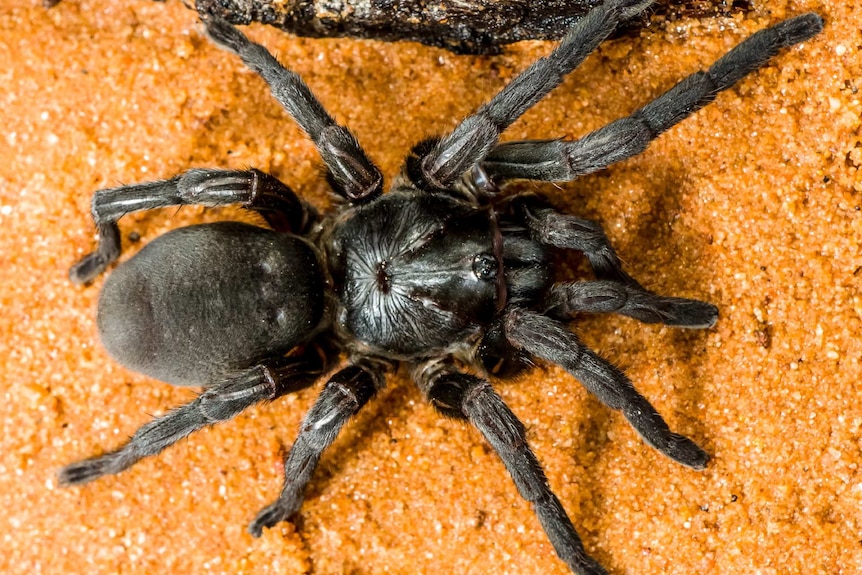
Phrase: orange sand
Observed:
(752, 204)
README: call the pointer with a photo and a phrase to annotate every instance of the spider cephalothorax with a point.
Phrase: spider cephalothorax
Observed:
(446, 270)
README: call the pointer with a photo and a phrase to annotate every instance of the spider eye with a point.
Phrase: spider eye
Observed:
(485, 267)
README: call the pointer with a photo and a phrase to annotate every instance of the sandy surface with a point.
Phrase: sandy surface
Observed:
(752, 204)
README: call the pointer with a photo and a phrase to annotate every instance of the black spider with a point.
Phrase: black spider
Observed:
(446, 272)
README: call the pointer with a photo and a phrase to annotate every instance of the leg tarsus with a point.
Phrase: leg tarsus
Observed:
(279, 510)
(93, 264)
(644, 418)
(88, 470)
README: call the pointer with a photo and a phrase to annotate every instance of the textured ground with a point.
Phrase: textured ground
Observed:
(752, 204)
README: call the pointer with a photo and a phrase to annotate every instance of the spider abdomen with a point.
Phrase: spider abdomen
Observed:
(202, 301)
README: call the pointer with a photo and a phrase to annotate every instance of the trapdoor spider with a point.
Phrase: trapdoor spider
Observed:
(446, 272)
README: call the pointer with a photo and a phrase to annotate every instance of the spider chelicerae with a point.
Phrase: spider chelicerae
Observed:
(447, 272)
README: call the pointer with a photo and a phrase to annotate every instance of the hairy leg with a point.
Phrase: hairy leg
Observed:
(559, 160)
(548, 339)
(468, 397)
(567, 299)
(352, 174)
(469, 143)
(616, 291)
(218, 403)
(552, 228)
(342, 397)
(253, 189)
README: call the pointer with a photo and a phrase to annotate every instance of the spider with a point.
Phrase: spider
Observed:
(446, 273)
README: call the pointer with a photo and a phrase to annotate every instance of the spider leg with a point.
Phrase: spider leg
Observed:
(222, 401)
(619, 292)
(476, 135)
(552, 228)
(254, 189)
(558, 160)
(352, 174)
(548, 339)
(342, 397)
(567, 299)
(468, 397)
